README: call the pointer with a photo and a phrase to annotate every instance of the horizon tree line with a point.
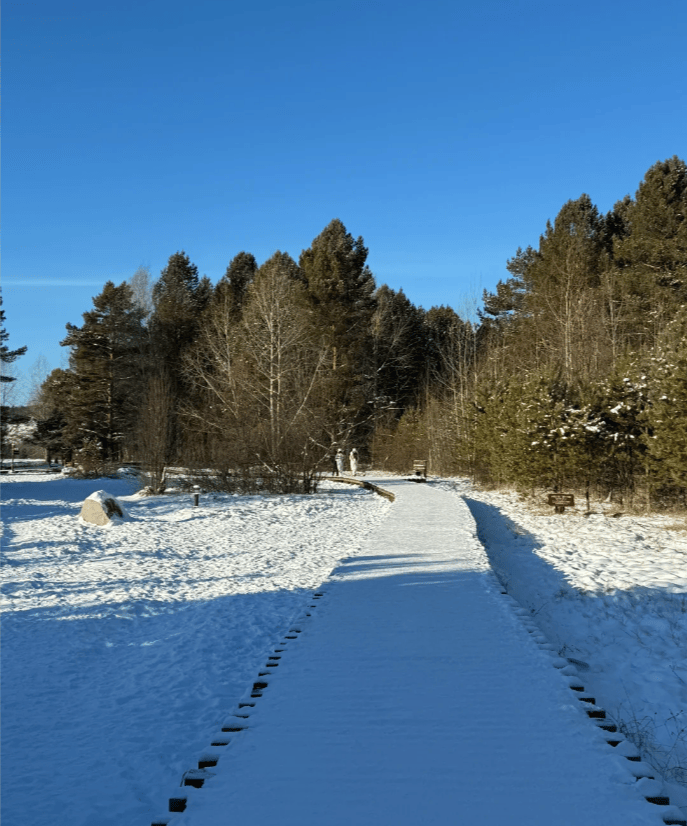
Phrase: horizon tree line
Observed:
(573, 375)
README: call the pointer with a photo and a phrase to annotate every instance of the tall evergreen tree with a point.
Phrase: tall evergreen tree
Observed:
(341, 302)
(341, 289)
(179, 298)
(509, 297)
(7, 356)
(619, 401)
(562, 289)
(231, 288)
(51, 402)
(106, 372)
(651, 253)
(549, 312)
(398, 349)
(450, 347)
(578, 317)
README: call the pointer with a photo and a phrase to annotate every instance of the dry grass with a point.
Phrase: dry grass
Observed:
(680, 527)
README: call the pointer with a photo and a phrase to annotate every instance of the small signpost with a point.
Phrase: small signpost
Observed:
(561, 501)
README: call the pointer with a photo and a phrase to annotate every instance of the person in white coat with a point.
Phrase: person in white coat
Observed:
(353, 459)
(339, 459)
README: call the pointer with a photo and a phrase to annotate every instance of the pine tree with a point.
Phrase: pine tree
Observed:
(179, 298)
(563, 282)
(341, 289)
(582, 311)
(231, 288)
(399, 350)
(50, 402)
(105, 372)
(618, 306)
(620, 402)
(508, 300)
(549, 313)
(533, 430)
(7, 356)
(666, 415)
(651, 252)
(449, 349)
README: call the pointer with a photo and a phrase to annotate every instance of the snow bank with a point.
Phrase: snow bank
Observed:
(611, 594)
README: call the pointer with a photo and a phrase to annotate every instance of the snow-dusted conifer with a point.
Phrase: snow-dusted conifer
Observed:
(666, 415)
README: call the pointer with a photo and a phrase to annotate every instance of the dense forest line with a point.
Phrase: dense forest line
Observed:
(572, 376)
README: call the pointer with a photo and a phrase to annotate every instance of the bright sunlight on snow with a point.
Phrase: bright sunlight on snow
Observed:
(124, 646)
(610, 592)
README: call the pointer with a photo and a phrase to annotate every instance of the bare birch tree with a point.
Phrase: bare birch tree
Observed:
(262, 379)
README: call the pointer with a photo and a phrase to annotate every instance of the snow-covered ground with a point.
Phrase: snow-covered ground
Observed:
(610, 592)
(124, 647)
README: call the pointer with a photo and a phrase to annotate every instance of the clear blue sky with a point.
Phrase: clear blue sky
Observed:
(445, 133)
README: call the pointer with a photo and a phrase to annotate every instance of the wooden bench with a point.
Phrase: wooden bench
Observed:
(420, 468)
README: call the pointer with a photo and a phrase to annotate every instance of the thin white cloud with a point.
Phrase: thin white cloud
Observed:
(49, 282)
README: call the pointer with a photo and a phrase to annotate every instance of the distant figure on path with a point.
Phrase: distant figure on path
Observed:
(353, 459)
(339, 458)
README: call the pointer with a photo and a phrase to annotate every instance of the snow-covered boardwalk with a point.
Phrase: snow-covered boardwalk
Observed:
(414, 694)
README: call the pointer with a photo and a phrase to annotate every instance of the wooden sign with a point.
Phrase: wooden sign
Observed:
(561, 501)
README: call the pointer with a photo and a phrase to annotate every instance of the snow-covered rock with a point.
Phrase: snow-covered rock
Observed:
(100, 508)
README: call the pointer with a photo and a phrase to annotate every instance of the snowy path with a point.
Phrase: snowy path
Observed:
(415, 695)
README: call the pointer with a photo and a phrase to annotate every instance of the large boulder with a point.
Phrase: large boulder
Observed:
(100, 508)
